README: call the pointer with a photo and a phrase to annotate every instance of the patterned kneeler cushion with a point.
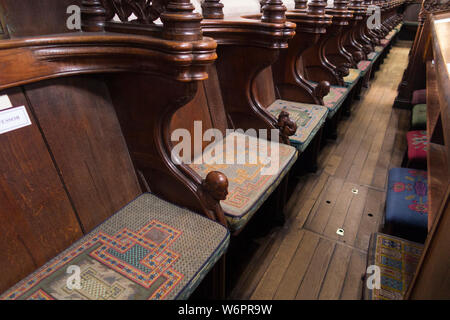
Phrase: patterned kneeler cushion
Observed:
(407, 204)
(334, 99)
(364, 66)
(352, 78)
(251, 179)
(419, 116)
(397, 259)
(308, 117)
(384, 42)
(150, 249)
(417, 146)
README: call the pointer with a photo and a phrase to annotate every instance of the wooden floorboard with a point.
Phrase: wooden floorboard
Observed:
(306, 258)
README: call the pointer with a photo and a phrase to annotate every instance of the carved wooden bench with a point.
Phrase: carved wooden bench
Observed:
(87, 183)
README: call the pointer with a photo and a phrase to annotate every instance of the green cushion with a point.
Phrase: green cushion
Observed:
(334, 99)
(150, 249)
(419, 116)
(352, 78)
(308, 117)
(249, 184)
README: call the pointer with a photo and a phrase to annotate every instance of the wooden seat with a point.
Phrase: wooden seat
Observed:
(149, 250)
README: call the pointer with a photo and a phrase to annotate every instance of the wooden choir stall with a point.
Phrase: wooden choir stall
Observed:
(178, 149)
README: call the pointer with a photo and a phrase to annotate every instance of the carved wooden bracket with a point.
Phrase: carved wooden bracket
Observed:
(146, 11)
(343, 70)
(286, 126)
(322, 89)
(213, 189)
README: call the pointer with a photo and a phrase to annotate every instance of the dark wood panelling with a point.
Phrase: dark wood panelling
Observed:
(84, 136)
(46, 16)
(37, 220)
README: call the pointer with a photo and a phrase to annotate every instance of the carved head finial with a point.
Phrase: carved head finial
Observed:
(343, 69)
(274, 12)
(367, 48)
(286, 126)
(322, 89)
(358, 56)
(180, 21)
(212, 9)
(93, 16)
(216, 184)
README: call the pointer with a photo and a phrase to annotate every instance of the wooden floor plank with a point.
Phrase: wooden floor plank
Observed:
(334, 279)
(293, 277)
(352, 288)
(314, 277)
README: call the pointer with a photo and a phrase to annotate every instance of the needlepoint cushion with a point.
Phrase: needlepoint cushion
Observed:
(364, 65)
(419, 116)
(352, 77)
(407, 204)
(334, 99)
(397, 259)
(150, 249)
(419, 97)
(384, 42)
(308, 117)
(417, 145)
(252, 177)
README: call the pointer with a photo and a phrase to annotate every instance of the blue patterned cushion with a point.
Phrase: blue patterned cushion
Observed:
(352, 78)
(407, 204)
(397, 259)
(334, 99)
(308, 117)
(249, 182)
(364, 66)
(150, 249)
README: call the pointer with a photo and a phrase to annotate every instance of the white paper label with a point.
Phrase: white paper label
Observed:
(14, 119)
(5, 103)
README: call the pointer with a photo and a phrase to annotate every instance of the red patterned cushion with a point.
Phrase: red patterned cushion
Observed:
(363, 65)
(419, 97)
(384, 42)
(417, 145)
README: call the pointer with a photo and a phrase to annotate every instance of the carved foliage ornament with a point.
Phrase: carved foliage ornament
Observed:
(433, 6)
(146, 11)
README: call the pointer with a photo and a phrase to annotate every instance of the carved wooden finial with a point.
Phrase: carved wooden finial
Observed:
(317, 7)
(212, 9)
(322, 89)
(340, 4)
(301, 4)
(343, 69)
(274, 12)
(286, 126)
(214, 189)
(93, 16)
(180, 21)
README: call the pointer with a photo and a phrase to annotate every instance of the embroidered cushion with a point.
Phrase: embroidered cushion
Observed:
(419, 116)
(419, 97)
(379, 49)
(334, 99)
(364, 65)
(397, 259)
(352, 78)
(407, 204)
(417, 145)
(253, 179)
(384, 42)
(308, 117)
(150, 249)
(391, 35)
